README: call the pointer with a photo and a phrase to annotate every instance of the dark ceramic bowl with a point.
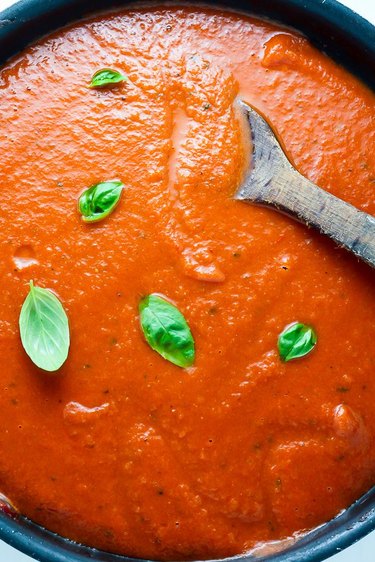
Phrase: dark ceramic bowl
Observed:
(349, 40)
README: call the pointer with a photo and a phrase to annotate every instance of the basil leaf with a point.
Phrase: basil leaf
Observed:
(296, 340)
(106, 77)
(167, 331)
(44, 329)
(99, 200)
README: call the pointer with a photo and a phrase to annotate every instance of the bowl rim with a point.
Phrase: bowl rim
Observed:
(17, 25)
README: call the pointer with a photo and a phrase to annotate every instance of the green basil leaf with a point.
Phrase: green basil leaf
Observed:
(296, 340)
(106, 77)
(167, 331)
(99, 200)
(44, 329)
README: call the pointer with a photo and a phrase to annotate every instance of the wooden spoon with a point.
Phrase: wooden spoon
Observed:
(273, 181)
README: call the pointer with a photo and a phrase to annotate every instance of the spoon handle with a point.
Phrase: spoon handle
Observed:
(293, 194)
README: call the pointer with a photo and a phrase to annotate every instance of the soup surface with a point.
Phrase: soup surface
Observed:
(120, 449)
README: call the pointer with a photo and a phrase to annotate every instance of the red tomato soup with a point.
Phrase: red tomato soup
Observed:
(124, 447)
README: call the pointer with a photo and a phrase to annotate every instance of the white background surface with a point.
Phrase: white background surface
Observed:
(364, 551)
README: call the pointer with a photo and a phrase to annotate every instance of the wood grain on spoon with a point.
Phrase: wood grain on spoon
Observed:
(273, 181)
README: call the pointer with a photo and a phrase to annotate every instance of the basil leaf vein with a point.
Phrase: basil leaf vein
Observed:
(166, 330)
(99, 200)
(44, 329)
(106, 77)
(296, 340)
